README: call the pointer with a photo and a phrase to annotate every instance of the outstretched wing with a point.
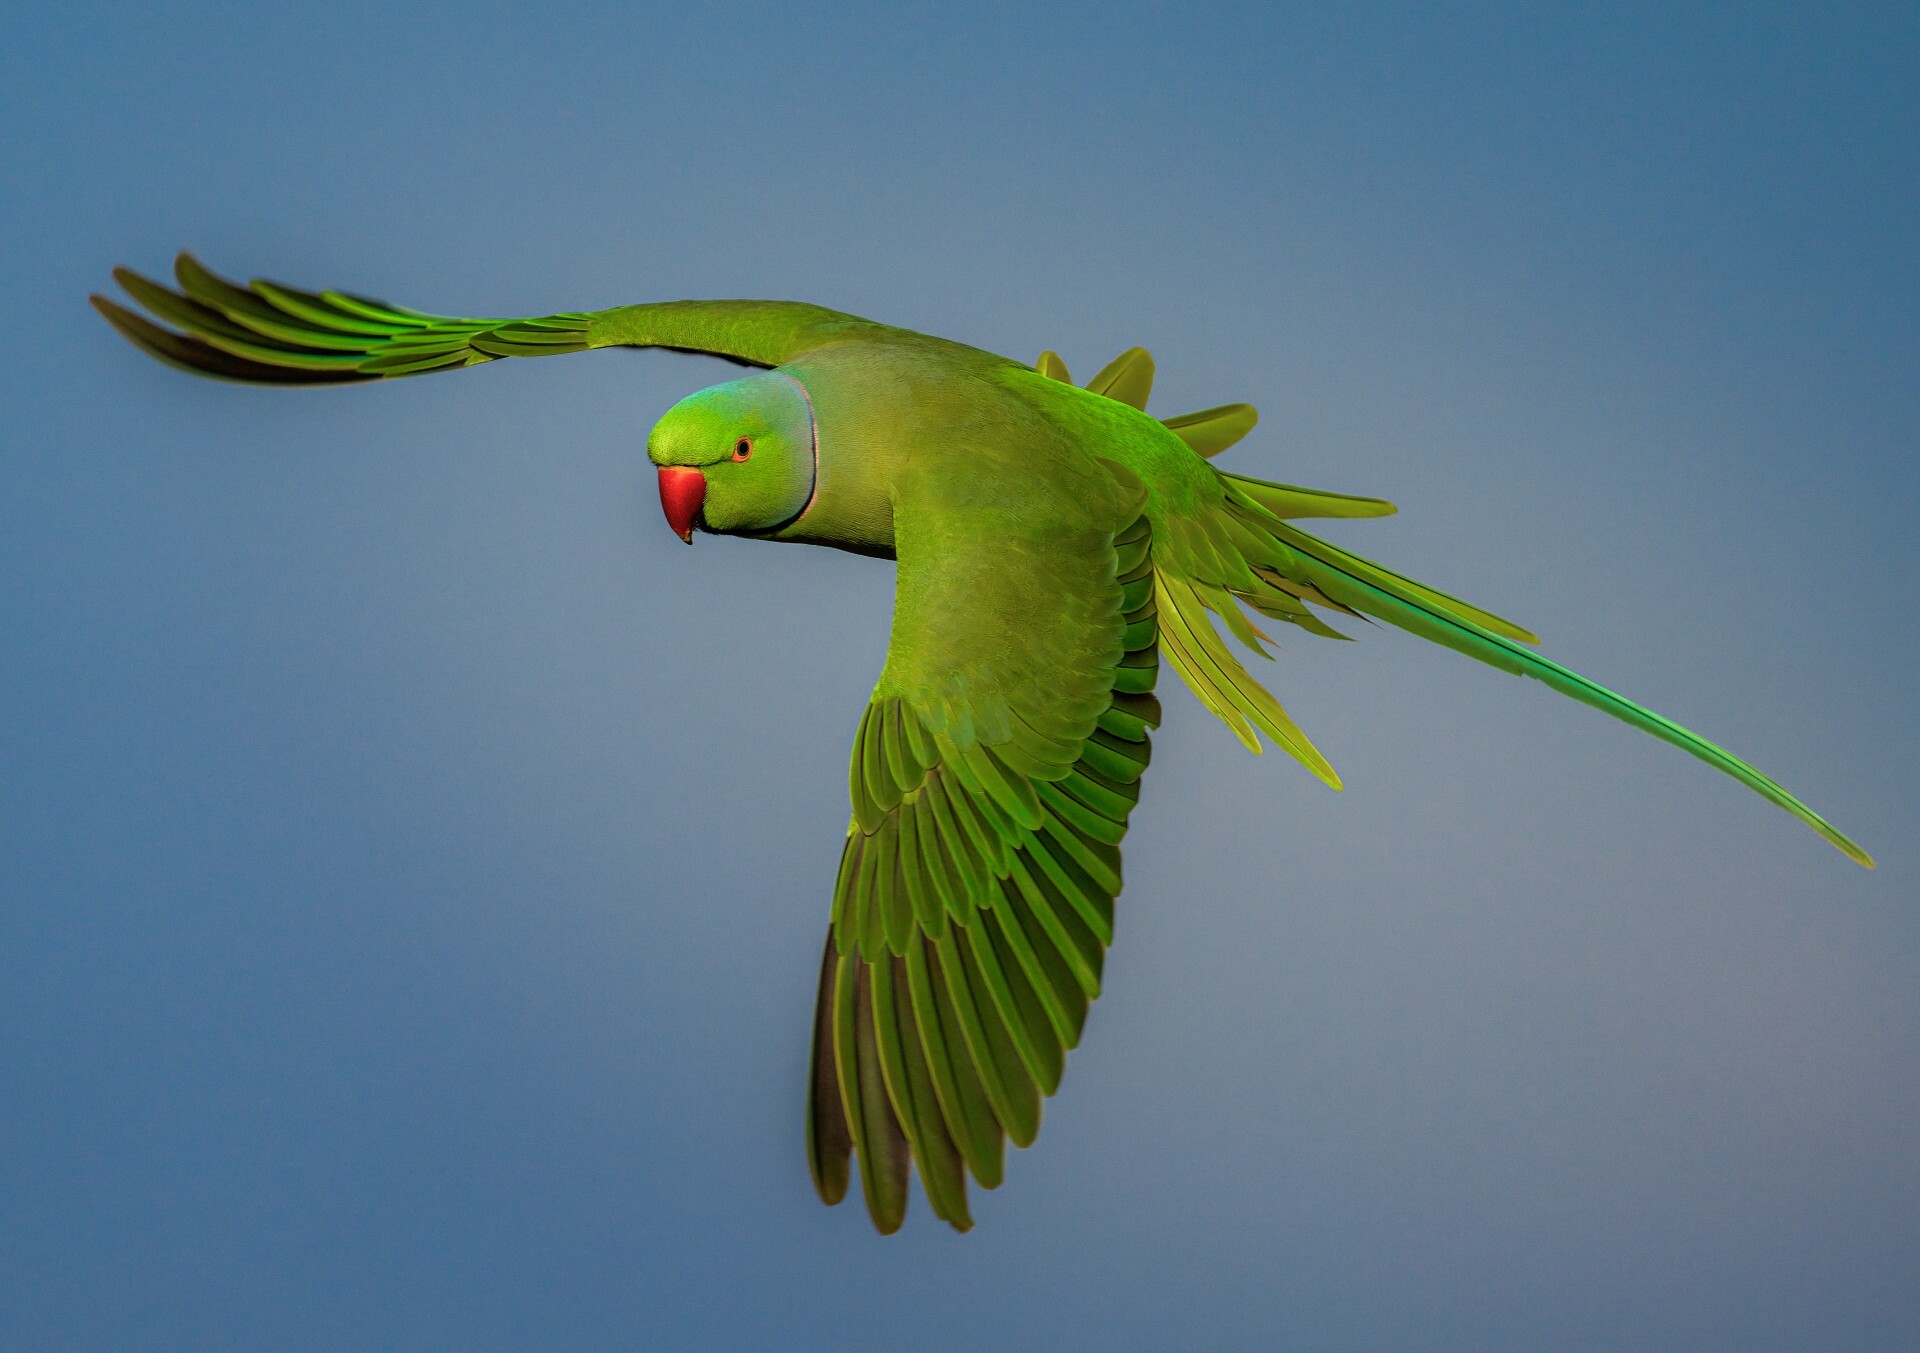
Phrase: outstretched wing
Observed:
(268, 334)
(992, 778)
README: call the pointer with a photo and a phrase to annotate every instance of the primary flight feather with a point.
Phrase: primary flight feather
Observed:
(1053, 544)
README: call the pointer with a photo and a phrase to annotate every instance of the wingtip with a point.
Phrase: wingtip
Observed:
(832, 1191)
(116, 314)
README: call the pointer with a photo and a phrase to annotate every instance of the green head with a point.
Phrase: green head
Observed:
(739, 458)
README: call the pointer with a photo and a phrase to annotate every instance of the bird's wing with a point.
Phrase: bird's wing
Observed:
(992, 777)
(268, 334)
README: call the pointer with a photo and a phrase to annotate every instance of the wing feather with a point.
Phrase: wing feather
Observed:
(991, 780)
(268, 333)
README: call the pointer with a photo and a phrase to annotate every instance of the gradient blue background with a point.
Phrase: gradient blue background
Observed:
(414, 859)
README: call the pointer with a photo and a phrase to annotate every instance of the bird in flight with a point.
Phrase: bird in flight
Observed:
(1053, 544)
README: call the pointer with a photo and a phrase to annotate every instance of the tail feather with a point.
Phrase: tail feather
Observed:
(1288, 501)
(1195, 649)
(1291, 566)
(1330, 570)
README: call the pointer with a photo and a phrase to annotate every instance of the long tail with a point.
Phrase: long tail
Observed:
(1277, 568)
(1247, 552)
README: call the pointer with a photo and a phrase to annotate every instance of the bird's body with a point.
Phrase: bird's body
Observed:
(1053, 543)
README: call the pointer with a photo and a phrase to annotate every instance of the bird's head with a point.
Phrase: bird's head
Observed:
(739, 458)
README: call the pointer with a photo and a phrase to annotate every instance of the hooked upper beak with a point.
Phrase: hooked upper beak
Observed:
(682, 490)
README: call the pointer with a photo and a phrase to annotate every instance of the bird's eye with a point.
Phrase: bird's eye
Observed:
(742, 449)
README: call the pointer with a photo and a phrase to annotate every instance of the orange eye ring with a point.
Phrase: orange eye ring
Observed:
(743, 448)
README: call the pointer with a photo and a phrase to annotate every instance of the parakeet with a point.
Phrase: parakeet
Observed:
(1053, 544)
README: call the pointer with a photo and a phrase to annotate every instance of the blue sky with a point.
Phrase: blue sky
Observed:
(415, 859)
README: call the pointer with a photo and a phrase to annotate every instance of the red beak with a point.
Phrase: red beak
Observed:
(682, 490)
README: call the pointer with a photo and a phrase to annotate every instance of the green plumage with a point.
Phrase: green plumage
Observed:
(1053, 544)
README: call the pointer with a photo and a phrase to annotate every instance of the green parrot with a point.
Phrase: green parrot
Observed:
(1053, 544)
